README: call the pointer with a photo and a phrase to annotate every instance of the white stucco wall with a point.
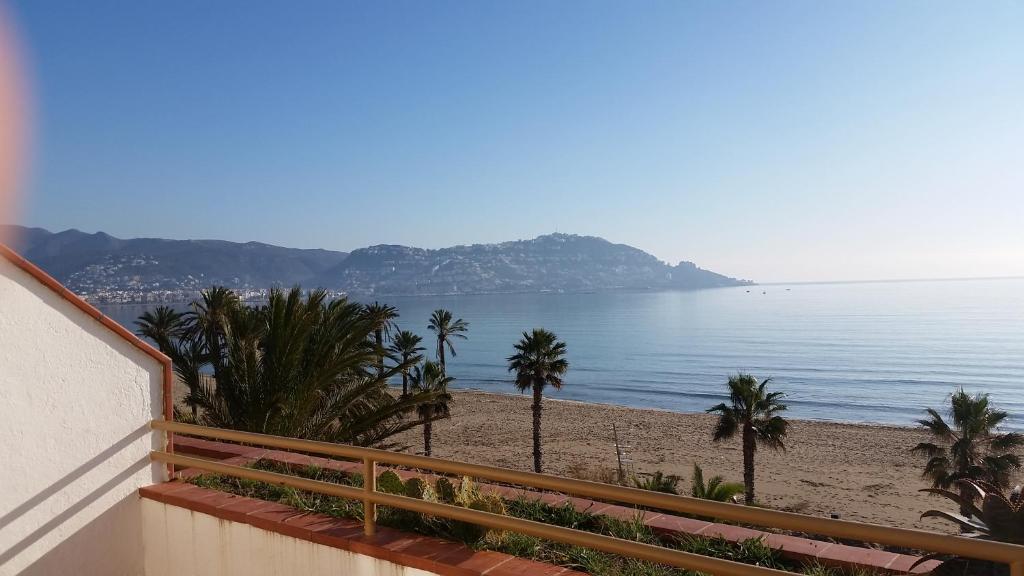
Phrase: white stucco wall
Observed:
(181, 542)
(75, 400)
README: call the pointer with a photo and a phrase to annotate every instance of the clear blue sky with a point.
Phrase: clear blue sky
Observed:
(810, 140)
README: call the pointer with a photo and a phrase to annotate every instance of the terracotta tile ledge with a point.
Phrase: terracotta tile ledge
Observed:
(413, 550)
(792, 547)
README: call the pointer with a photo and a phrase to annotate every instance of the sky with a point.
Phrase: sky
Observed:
(774, 141)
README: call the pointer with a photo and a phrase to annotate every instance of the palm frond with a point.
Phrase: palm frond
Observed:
(539, 360)
(963, 521)
(966, 503)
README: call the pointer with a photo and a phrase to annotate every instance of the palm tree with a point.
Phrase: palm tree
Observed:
(383, 318)
(539, 361)
(172, 331)
(442, 324)
(299, 366)
(406, 345)
(716, 488)
(972, 448)
(162, 325)
(188, 356)
(753, 412)
(208, 320)
(431, 380)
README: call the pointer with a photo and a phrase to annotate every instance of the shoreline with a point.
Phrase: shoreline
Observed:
(473, 390)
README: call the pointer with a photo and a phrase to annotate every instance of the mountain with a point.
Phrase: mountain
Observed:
(108, 268)
(105, 268)
(556, 262)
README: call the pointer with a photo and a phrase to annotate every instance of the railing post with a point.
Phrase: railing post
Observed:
(169, 448)
(370, 507)
(168, 410)
(1017, 568)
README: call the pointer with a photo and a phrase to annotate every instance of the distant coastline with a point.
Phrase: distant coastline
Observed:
(104, 268)
(888, 281)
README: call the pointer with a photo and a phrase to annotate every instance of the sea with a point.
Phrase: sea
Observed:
(878, 352)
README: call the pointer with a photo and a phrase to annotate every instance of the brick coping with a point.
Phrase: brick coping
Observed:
(791, 547)
(413, 550)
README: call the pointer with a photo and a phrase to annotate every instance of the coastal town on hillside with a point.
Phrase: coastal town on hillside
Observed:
(109, 270)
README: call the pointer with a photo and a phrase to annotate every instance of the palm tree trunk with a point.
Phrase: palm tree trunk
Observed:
(427, 431)
(379, 337)
(440, 353)
(216, 351)
(538, 396)
(192, 386)
(748, 463)
(405, 382)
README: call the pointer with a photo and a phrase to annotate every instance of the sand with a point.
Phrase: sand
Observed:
(860, 472)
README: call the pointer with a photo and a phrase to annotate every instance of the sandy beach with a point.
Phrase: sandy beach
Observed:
(861, 472)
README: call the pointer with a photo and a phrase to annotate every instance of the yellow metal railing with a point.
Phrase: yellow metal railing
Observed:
(1010, 554)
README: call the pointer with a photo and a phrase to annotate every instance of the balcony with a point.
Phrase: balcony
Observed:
(391, 549)
(99, 481)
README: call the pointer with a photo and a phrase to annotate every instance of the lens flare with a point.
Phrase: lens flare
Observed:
(13, 120)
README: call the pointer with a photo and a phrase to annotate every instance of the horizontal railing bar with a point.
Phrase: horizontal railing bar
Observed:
(262, 475)
(917, 539)
(680, 559)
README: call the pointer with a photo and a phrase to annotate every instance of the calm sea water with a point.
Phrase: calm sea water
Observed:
(873, 352)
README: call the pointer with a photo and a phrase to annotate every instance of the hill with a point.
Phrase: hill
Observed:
(106, 268)
(555, 262)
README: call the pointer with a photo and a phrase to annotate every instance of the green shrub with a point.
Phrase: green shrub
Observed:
(389, 483)
(469, 495)
(415, 487)
(658, 482)
(716, 488)
(445, 491)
